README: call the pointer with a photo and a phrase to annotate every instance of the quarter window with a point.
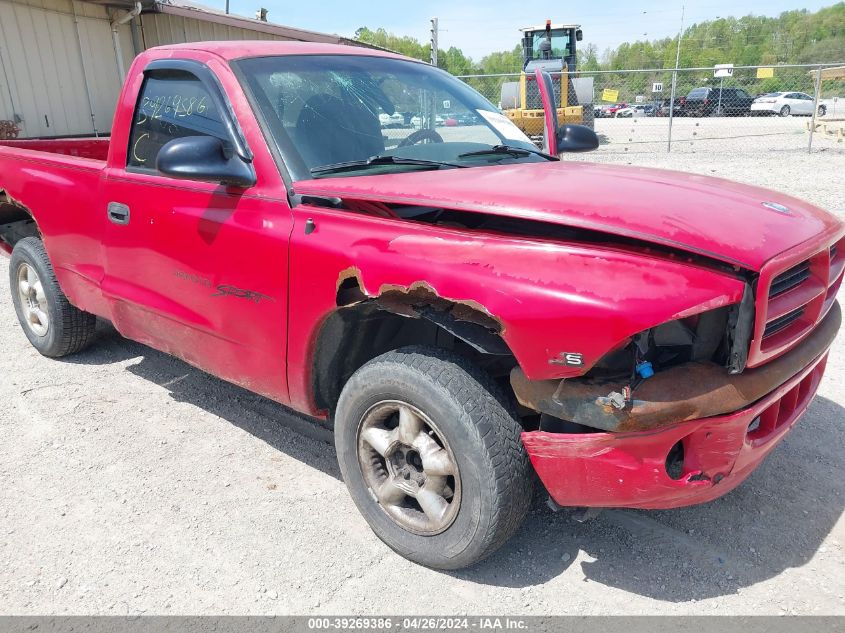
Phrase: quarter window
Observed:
(172, 104)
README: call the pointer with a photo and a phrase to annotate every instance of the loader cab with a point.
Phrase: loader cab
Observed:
(550, 46)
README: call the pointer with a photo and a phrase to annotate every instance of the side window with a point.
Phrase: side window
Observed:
(172, 104)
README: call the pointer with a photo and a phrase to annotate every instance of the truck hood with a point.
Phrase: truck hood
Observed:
(720, 219)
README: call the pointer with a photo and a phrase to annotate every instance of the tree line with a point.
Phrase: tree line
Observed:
(793, 37)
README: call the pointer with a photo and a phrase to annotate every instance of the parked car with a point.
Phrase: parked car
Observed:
(467, 118)
(662, 109)
(713, 102)
(613, 109)
(786, 103)
(463, 313)
(638, 110)
(391, 120)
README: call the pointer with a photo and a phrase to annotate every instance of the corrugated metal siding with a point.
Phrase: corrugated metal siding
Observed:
(46, 55)
(160, 29)
(43, 71)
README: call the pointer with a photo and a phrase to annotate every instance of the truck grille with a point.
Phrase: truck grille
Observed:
(791, 278)
(776, 325)
(793, 299)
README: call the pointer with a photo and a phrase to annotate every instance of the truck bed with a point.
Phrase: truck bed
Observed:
(91, 148)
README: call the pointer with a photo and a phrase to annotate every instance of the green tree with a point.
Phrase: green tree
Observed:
(793, 37)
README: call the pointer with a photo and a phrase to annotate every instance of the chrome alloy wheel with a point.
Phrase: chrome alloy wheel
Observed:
(409, 467)
(33, 300)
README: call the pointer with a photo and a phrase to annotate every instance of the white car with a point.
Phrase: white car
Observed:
(786, 103)
(391, 120)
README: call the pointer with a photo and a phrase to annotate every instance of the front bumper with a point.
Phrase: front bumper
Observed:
(725, 426)
(765, 107)
(628, 470)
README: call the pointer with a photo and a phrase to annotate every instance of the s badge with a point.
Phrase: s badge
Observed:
(570, 359)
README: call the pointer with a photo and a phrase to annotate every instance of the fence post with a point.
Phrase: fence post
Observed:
(815, 108)
(672, 107)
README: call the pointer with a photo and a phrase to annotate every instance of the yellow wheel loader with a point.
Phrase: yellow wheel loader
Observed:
(550, 48)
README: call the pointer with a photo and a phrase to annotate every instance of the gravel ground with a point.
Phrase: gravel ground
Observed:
(723, 136)
(134, 484)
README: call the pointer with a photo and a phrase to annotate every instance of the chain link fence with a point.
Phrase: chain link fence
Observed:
(632, 110)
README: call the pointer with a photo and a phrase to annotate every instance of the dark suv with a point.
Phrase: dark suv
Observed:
(707, 102)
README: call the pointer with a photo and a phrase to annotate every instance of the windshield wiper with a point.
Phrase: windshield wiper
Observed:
(387, 159)
(510, 150)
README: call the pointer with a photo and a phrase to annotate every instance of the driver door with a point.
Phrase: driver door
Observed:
(196, 269)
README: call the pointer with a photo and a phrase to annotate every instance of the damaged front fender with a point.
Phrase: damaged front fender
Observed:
(685, 392)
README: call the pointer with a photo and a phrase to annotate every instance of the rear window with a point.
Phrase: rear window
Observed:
(698, 93)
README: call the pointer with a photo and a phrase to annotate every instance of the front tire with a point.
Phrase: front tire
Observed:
(53, 326)
(430, 450)
(784, 111)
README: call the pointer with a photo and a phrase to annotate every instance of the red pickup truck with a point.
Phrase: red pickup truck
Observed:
(466, 309)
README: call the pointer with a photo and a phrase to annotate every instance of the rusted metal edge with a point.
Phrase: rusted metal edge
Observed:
(685, 392)
(7, 202)
(466, 319)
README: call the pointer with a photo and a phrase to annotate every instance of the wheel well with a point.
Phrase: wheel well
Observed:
(16, 222)
(363, 327)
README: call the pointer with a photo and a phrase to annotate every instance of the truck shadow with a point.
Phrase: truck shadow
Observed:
(776, 520)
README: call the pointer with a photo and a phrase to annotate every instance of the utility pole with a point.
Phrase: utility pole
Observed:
(675, 81)
(434, 41)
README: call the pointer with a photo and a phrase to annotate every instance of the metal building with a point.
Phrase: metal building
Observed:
(62, 61)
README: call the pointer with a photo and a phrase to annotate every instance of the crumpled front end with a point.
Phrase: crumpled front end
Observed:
(689, 434)
(670, 466)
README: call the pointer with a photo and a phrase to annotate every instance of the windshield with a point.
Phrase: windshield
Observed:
(560, 43)
(326, 110)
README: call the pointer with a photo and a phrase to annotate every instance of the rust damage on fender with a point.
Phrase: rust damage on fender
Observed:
(466, 319)
(685, 392)
(420, 296)
(7, 200)
(14, 215)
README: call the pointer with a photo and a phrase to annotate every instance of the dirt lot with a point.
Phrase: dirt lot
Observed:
(132, 483)
(712, 135)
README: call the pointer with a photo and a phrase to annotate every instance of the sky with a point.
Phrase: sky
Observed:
(479, 27)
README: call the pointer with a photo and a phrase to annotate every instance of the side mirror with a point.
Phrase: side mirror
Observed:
(567, 137)
(576, 138)
(204, 158)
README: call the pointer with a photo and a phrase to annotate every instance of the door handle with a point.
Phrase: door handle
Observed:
(118, 213)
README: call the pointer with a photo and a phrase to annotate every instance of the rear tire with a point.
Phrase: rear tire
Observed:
(784, 111)
(53, 326)
(402, 408)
